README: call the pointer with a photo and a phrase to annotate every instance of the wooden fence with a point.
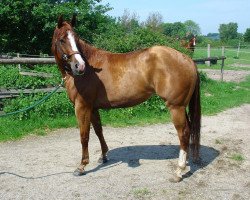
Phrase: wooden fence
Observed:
(5, 93)
(31, 61)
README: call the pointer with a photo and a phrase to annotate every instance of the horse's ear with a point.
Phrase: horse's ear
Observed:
(60, 21)
(73, 20)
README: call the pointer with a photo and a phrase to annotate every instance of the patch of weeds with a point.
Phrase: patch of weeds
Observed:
(183, 193)
(165, 191)
(141, 193)
(41, 132)
(236, 157)
(217, 141)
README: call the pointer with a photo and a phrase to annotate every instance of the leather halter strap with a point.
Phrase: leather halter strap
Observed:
(73, 53)
(65, 56)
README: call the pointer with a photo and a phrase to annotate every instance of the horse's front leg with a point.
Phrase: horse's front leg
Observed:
(83, 114)
(97, 125)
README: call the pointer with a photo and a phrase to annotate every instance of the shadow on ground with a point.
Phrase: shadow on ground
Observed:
(132, 155)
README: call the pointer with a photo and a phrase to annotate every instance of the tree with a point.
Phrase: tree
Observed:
(192, 27)
(228, 31)
(213, 36)
(247, 35)
(154, 21)
(176, 30)
(129, 21)
(27, 26)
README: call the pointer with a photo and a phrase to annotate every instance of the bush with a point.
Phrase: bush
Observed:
(204, 78)
(12, 79)
(117, 39)
(55, 106)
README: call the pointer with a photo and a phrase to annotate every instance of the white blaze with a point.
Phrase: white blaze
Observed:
(74, 48)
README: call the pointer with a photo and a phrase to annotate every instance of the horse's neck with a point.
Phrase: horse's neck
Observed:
(88, 50)
(191, 43)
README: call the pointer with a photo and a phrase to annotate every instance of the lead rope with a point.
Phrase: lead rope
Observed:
(36, 103)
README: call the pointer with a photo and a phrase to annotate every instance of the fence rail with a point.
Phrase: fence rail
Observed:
(4, 93)
(32, 61)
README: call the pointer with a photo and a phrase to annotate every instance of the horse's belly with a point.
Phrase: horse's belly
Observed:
(122, 101)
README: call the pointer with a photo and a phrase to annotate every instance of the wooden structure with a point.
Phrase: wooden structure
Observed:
(213, 60)
(32, 61)
(5, 93)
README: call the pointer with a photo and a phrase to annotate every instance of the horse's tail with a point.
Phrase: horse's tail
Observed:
(195, 119)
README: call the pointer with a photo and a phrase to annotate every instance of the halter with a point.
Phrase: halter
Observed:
(66, 57)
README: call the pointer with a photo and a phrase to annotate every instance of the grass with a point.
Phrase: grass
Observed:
(11, 129)
(141, 193)
(223, 95)
(237, 157)
(217, 141)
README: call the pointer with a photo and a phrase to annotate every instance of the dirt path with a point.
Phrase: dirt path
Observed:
(142, 159)
(228, 75)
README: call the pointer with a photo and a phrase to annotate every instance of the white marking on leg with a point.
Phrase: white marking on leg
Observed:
(182, 162)
(182, 159)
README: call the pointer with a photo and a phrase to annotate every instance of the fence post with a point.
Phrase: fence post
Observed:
(19, 65)
(208, 55)
(222, 64)
(238, 51)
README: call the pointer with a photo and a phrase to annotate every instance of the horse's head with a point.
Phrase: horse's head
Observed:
(65, 47)
(193, 41)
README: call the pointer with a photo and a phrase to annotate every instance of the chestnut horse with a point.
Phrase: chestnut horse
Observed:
(96, 79)
(189, 44)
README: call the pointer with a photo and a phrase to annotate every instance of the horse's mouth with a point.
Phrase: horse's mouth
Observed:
(77, 73)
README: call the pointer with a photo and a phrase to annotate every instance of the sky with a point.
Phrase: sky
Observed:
(209, 14)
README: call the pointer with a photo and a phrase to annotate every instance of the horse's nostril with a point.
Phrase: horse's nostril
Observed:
(76, 65)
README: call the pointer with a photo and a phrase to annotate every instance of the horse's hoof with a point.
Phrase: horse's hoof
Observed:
(175, 179)
(79, 172)
(103, 160)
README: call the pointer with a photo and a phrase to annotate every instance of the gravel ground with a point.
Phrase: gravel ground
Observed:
(141, 161)
(228, 75)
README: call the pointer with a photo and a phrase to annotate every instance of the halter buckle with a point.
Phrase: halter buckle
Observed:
(65, 57)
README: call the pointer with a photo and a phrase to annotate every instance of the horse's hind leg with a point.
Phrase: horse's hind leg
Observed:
(96, 122)
(178, 114)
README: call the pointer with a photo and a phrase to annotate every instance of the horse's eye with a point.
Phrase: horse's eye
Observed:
(62, 41)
